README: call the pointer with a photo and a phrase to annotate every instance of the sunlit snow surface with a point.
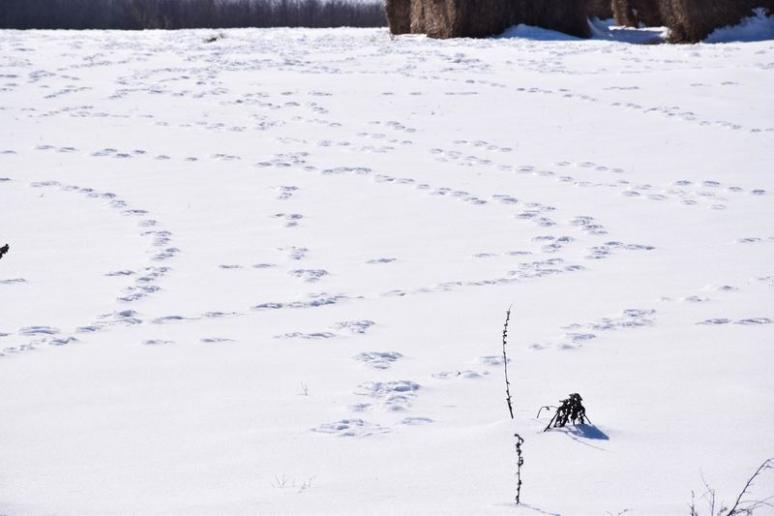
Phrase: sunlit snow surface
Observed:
(268, 274)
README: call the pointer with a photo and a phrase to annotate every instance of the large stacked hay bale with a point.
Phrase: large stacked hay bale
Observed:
(691, 21)
(634, 13)
(398, 15)
(460, 18)
(481, 18)
(602, 9)
(417, 17)
(568, 16)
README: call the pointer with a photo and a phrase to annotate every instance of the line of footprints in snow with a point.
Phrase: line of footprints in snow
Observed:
(203, 81)
(534, 212)
(684, 191)
(392, 396)
(145, 279)
(676, 113)
(145, 283)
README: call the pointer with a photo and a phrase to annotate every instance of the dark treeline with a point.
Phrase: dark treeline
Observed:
(183, 14)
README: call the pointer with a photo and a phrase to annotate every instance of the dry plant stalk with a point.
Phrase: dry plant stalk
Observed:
(571, 410)
(519, 464)
(519, 439)
(742, 507)
(505, 363)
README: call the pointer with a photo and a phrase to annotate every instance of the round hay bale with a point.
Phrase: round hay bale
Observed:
(482, 18)
(636, 13)
(398, 15)
(690, 21)
(602, 9)
(460, 18)
(568, 16)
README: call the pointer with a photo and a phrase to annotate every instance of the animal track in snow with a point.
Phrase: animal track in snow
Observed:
(291, 219)
(750, 321)
(721, 288)
(755, 240)
(355, 327)
(157, 342)
(315, 301)
(577, 334)
(393, 396)
(414, 421)
(603, 251)
(378, 359)
(492, 360)
(524, 271)
(170, 319)
(61, 341)
(122, 318)
(552, 244)
(145, 282)
(295, 253)
(351, 428)
(320, 335)
(540, 268)
(38, 330)
(286, 192)
(381, 261)
(12, 281)
(588, 225)
(668, 112)
(285, 160)
(309, 275)
(683, 191)
(695, 299)
(630, 318)
(466, 374)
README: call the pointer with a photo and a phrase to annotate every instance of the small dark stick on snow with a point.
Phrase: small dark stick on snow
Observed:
(547, 407)
(505, 363)
(4, 250)
(519, 464)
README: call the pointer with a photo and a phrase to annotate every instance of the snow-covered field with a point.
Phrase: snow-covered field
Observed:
(268, 274)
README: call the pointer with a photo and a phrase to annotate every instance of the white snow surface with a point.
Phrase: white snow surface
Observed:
(269, 274)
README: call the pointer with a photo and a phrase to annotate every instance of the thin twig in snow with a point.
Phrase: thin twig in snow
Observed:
(505, 363)
(737, 509)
